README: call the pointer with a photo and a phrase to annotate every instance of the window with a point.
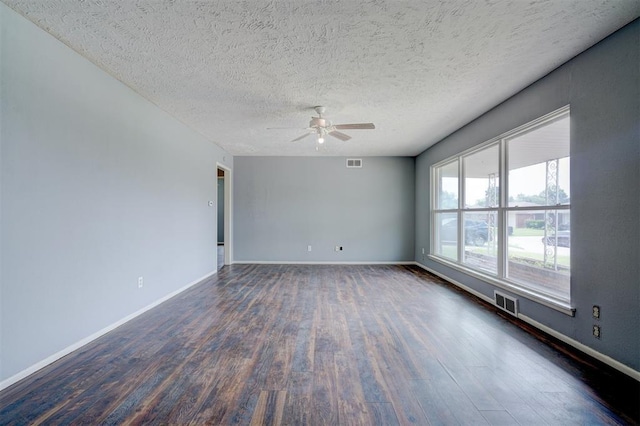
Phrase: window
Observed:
(502, 210)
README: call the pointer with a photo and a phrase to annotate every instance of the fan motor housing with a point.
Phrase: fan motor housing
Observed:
(318, 122)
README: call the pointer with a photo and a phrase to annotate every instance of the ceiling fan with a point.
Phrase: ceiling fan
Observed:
(321, 127)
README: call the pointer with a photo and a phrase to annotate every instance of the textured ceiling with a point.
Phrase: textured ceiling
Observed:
(419, 70)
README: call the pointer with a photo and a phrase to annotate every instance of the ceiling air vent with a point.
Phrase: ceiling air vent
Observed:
(506, 303)
(354, 163)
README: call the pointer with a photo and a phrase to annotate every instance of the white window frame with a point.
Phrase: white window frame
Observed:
(500, 279)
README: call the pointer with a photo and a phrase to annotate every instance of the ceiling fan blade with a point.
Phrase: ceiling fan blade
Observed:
(355, 126)
(301, 137)
(339, 135)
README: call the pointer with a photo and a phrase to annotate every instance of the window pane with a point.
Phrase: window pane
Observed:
(539, 250)
(480, 244)
(481, 178)
(447, 181)
(539, 166)
(446, 238)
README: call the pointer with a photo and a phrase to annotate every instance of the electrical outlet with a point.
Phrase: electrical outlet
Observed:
(308, 248)
(596, 311)
(422, 250)
(140, 282)
(596, 331)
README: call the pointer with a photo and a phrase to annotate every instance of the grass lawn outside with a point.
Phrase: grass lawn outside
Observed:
(527, 232)
(562, 260)
(451, 253)
(520, 250)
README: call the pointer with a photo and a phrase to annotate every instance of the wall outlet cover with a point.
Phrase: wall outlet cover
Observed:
(597, 333)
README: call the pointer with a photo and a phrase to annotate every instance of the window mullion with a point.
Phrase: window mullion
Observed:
(461, 198)
(435, 187)
(503, 220)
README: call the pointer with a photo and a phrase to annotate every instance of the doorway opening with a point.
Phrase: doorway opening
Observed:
(223, 252)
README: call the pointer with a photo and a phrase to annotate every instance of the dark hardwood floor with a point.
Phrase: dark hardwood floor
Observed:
(285, 344)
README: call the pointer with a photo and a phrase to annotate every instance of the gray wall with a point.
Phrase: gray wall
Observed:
(602, 87)
(98, 187)
(284, 204)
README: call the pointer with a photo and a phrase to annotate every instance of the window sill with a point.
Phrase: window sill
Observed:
(558, 305)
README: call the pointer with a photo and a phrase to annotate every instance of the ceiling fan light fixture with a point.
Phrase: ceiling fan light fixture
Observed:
(322, 127)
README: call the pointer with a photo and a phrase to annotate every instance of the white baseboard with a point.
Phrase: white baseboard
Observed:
(77, 345)
(456, 283)
(562, 337)
(584, 348)
(328, 262)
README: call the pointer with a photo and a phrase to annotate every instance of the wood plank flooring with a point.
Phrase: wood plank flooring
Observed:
(301, 344)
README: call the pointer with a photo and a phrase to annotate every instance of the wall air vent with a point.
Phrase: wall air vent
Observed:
(506, 303)
(354, 163)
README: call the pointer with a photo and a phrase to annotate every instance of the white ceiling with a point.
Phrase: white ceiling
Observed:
(419, 70)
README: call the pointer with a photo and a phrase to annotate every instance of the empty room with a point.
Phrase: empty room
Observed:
(320, 212)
